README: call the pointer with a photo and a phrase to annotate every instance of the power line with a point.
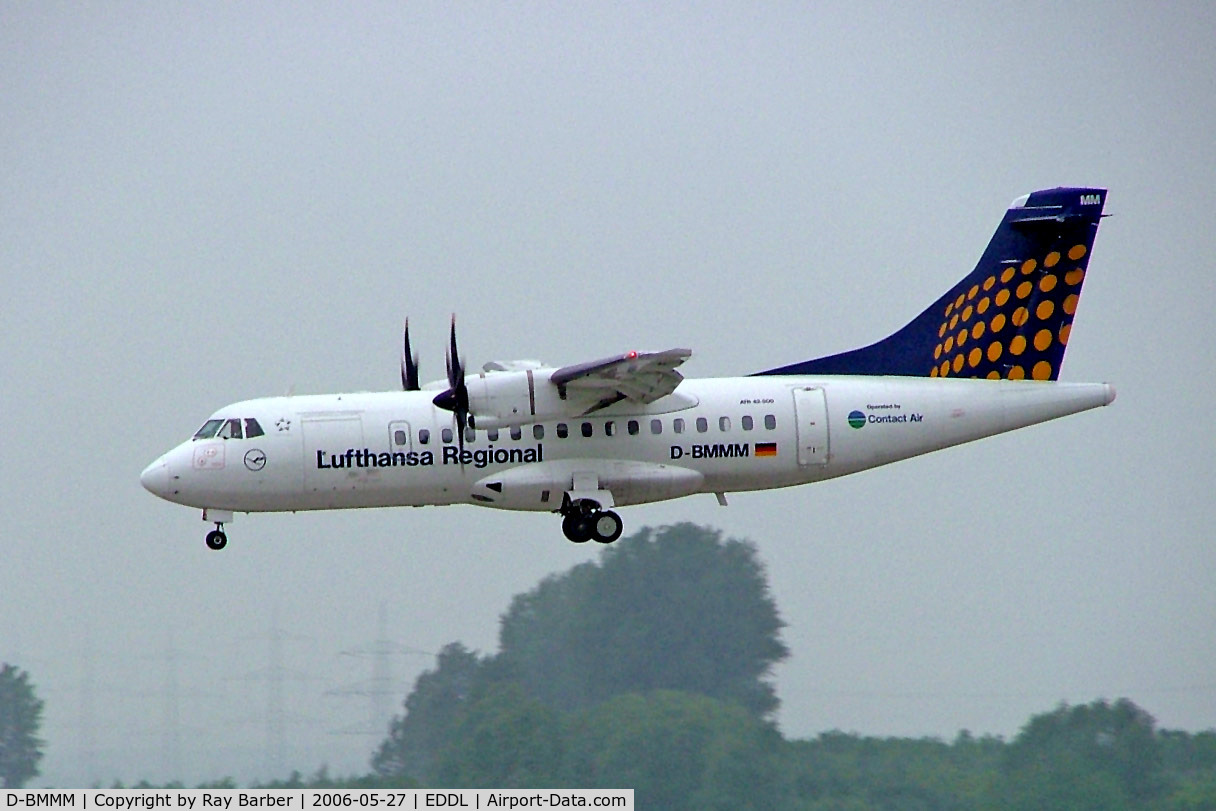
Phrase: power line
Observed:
(382, 689)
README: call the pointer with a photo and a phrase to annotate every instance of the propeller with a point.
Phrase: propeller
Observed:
(409, 363)
(456, 398)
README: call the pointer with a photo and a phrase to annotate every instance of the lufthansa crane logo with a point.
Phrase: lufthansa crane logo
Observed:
(255, 460)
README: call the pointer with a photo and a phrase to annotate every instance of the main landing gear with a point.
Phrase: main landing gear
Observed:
(583, 520)
(216, 539)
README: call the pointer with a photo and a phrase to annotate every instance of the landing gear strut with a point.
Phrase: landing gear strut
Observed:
(216, 539)
(583, 521)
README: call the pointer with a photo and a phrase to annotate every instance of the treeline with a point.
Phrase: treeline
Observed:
(682, 751)
(649, 670)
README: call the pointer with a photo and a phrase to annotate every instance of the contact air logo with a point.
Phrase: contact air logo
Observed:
(859, 419)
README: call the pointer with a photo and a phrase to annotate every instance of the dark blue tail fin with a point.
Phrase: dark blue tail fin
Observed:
(1010, 318)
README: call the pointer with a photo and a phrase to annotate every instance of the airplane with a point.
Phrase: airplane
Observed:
(583, 440)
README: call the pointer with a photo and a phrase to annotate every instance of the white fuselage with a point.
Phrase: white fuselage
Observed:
(710, 436)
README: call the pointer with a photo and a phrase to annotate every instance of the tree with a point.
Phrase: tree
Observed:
(841, 770)
(676, 608)
(504, 739)
(20, 718)
(677, 750)
(431, 710)
(1097, 755)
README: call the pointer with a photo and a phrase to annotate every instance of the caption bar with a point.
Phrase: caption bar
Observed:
(195, 799)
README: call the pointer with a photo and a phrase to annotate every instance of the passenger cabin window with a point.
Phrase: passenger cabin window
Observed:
(252, 429)
(724, 424)
(770, 421)
(424, 436)
(747, 422)
(231, 430)
(586, 429)
(563, 430)
(470, 435)
(677, 425)
(399, 437)
(446, 436)
(492, 434)
(633, 428)
(656, 426)
(209, 429)
(702, 425)
(517, 432)
(538, 432)
(610, 428)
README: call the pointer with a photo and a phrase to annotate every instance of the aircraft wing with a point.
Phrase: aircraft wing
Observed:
(639, 376)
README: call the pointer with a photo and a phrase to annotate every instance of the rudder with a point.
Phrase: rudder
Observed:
(1011, 317)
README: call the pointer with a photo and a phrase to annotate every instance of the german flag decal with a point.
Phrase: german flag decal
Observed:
(766, 449)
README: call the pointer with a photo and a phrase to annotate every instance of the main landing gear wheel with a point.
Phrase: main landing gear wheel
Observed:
(216, 539)
(606, 526)
(577, 527)
(584, 520)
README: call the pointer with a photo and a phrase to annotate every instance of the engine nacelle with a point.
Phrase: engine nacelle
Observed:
(508, 398)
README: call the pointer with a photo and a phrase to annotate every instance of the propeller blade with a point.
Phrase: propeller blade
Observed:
(409, 363)
(455, 372)
(456, 398)
(462, 421)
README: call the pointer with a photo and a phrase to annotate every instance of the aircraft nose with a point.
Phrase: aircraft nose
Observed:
(155, 478)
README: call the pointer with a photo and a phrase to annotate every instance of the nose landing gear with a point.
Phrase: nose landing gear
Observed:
(216, 539)
(583, 521)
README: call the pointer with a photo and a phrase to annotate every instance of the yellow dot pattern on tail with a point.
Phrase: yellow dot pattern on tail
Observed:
(1037, 296)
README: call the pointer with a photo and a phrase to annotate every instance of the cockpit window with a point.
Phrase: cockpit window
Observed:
(229, 429)
(208, 430)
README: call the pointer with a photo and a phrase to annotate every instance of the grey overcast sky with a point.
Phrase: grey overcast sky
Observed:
(202, 203)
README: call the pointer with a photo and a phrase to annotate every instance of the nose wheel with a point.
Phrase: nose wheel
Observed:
(216, 539)
(583, 521)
